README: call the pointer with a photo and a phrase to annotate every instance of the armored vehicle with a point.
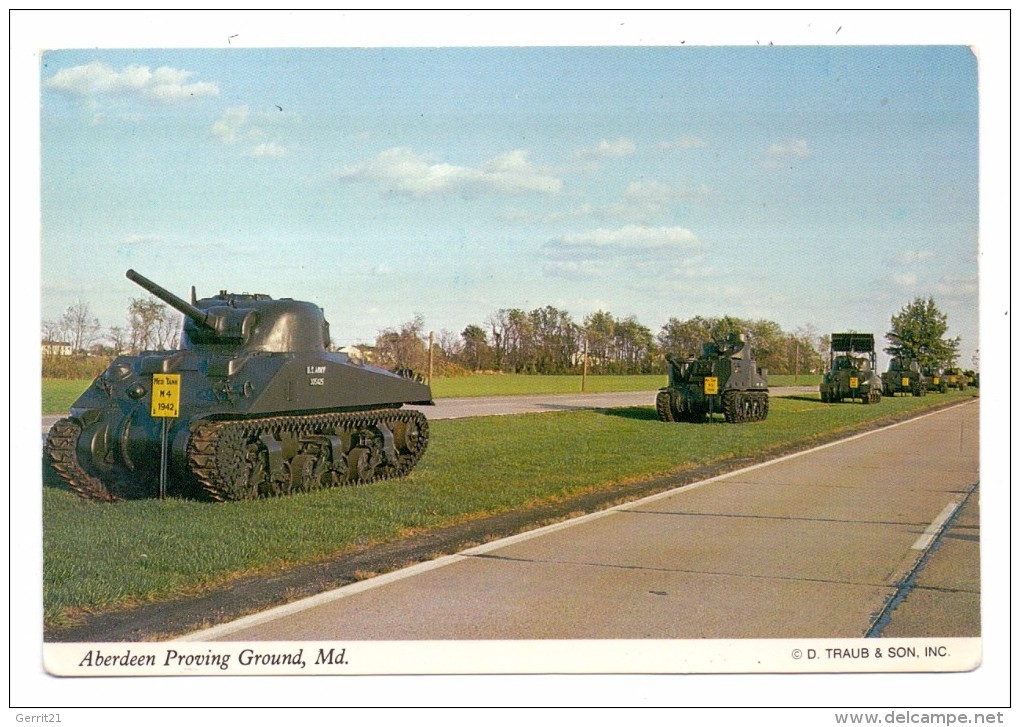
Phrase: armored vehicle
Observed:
(252, 405)
(852, 371)
(936, 379)
(723, 379)
(955, 378)
(904, 377)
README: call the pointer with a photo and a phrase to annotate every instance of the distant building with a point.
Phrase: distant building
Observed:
(56, 348)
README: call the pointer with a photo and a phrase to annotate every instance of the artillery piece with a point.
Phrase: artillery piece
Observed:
(904, 376)
(724, 379)
(852, 370)
(256, 405)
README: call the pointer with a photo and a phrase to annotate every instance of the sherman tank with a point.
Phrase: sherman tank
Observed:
(724, 379)
(904, 376)
(252, 405)
(852, 370)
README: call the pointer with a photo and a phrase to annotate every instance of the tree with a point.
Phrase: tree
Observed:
(151, 325)
(404, 348)
(476, 352)
(80, 326)
(118, 339)
(918, 332)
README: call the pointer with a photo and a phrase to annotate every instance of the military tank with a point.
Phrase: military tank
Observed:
(852, 370)
(723, 379)
(936, 379)
(955, 378)
(904, 376)
(252, 405)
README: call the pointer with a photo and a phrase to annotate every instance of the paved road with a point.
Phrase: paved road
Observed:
(816, 545)
(534, 403)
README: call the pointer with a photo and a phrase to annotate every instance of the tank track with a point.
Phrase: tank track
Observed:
(62, 456)
(663, 407)
(265, 457)
(745, 406)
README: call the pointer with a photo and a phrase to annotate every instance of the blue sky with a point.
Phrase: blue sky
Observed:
(813, 185)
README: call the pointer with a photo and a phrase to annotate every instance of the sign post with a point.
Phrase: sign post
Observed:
(711, 390)
(166, 402)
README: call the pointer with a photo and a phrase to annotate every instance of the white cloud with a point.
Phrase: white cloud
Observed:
(402, 171)
(906, 280)
(683, 142)
(631, 237)
(143, 239)
(608, 149)
(574, 270)
(647, 200)
(227, 127)
(782, 153)
(164, 85)
(267, 149)
(795, 148)
(910, 257)
(957, 286)
(235, 125)
(623, 252)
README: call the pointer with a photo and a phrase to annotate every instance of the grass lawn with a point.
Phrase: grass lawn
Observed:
(59, 394)
(100, 557)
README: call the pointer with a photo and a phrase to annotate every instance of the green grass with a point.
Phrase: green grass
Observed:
(59, 394)
(515, 384)
(102, 557)
(507, 384)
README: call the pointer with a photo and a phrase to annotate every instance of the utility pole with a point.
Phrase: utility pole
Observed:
(431, 339)
(584, 365)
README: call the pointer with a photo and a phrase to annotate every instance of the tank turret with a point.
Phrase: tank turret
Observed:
(261, 407)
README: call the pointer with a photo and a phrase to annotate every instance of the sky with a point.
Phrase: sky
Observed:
(815, 186)
(809, 167)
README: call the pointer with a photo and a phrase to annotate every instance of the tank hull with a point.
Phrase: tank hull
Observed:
(312, 420)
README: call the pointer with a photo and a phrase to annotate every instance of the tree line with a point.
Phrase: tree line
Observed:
(549, 341)
(545, 340)
(150, 326)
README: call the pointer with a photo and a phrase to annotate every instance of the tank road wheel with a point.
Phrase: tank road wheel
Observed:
(408, 435)
(306, 472)
(242, 460)
(360, 467)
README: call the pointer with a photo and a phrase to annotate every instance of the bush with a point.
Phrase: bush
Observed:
(73, 367)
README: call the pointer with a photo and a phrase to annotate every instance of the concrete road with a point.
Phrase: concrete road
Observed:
(532, 403)
(818, 544)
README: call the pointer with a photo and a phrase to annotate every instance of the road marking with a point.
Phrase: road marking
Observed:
(932, 531)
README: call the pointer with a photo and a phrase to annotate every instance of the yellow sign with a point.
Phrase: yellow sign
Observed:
(711, 385)
(935, 380)
(166, 395)
(904, 381)
(853, 382)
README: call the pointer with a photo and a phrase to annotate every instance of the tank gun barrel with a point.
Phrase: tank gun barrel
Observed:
(196, 314)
